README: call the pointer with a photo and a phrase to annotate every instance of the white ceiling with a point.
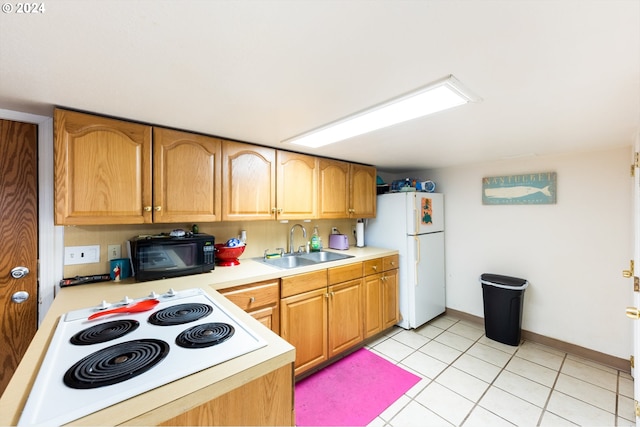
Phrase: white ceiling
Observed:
(555, 76)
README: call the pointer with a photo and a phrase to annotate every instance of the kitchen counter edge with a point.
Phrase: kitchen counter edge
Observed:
(226, 376)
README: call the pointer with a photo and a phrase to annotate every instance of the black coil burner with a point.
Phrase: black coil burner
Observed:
(116, 364)
(179, 314)
(104, 332)
(205, 335)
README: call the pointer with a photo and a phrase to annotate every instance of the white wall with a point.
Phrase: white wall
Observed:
(571, 252)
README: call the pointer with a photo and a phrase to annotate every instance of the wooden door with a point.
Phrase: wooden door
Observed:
(363, 191)
(333, 199)
(249, 182)
(372, 305)
(390, 302)
(297, 186)
(186, 177)
(345, 316)
(102, 170)
(303, 324)
(19, 244)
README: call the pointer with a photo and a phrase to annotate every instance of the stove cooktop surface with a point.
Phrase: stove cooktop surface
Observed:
(93, 364)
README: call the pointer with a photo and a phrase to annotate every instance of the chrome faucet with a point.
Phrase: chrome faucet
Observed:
(304, 234)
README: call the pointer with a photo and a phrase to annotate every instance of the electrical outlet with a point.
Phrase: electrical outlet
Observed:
(81, 254)
(113, 252)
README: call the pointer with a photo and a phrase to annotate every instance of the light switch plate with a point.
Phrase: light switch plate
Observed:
(81, 254)
(113, 252)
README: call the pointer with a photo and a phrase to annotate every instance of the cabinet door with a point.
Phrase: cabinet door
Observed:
(248, 182)
(372, 305)
(334, 192)
(269, 317)
(390, 307)
(303, 323)
(297, 186)
(186, 177)
(102, 170)
(363, 191)
(345, 316)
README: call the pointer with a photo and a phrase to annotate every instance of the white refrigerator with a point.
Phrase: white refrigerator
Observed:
(413, 223)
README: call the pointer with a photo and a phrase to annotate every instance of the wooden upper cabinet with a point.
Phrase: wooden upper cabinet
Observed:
(249, 182)
(297, 186)
(103, 175)
(186, 177)
(347, 190)
(102, 170)
(333, 199)
(363, 191)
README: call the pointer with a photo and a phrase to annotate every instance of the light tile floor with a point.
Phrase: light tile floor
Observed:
(470, 380)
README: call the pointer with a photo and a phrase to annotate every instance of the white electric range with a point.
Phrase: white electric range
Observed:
(93, 364)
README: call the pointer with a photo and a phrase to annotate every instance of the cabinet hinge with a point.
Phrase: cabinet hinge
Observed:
(637, 408)
(632, 361)
(635, 164)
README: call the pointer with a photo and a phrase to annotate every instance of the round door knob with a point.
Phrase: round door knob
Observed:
(20, 297)
(19, 272)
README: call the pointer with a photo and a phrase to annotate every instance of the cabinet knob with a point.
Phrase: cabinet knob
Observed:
(147, 208)
(375, 267)
(252, 300)
(158, 208)
(274, 210)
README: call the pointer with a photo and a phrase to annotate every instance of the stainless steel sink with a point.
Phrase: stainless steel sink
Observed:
(324, 256)
(290, 261)
(303, 259)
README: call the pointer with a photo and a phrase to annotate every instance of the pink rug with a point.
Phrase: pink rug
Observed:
(351, 392)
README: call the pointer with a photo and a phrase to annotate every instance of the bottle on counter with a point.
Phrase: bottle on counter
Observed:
(316, 243)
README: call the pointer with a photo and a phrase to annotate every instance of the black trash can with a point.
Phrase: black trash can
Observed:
(503, 297)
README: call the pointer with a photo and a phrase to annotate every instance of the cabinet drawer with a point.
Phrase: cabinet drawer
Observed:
(300, 283)
(373, 266)
(345, 272)
(390, 262)
(254, 295)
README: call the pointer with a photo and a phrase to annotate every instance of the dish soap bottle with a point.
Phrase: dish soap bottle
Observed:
(316, 243)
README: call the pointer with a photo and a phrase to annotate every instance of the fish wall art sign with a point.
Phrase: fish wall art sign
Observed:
(525, 189)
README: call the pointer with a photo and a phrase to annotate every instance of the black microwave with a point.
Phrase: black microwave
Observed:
(164, 256)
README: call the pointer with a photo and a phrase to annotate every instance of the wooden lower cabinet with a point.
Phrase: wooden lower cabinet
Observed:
(381, 310)
(390, 307)
(373, 304)
(265, 401)
(325, 321)
(345, 316)
(261, 300)
(304, 325)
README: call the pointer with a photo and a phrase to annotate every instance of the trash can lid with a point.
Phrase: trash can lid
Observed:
(501, 281)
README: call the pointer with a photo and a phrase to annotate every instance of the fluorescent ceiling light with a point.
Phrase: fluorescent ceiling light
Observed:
(437, 96)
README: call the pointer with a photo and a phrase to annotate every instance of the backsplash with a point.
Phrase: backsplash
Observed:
(261, 235)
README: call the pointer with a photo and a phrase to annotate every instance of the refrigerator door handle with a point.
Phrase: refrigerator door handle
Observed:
(416, 261)
(416, 217)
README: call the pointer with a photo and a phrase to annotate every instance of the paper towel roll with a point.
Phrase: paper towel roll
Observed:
(360, 234)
